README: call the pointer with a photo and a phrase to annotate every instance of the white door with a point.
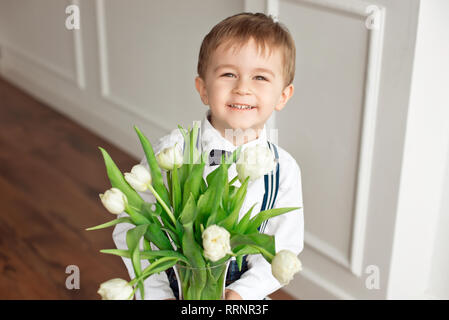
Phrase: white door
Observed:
(345, 127)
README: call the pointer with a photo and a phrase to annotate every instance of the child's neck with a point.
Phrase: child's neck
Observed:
(237, 137)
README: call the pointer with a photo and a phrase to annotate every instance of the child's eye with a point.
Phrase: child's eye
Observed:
(227, 74)
(261, 78)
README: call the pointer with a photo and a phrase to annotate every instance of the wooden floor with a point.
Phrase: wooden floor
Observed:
(51, 172)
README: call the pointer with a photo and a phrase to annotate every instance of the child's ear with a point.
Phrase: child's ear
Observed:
(201, 88)
(287, 93)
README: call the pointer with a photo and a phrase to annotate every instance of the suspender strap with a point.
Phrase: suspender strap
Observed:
(271, 187)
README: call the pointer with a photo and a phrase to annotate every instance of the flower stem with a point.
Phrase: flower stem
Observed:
(265, 252)
(132, 294)
(233, 180)
(170, 214)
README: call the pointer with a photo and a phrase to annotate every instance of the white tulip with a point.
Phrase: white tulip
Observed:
(139, 178)
(284, 266)
(255, 162)
(170, 157)
(114, 200)
(115, 289)
(216, 242)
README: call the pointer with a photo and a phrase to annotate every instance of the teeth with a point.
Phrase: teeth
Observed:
(238, 106)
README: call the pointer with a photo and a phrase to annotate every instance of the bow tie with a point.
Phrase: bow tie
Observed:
(215, 156)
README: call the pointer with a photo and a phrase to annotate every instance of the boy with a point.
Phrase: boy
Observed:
(245, 72)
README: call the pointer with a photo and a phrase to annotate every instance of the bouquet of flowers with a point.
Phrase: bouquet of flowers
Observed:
(194, 223)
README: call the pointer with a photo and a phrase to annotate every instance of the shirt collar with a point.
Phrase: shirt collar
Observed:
(211, 138)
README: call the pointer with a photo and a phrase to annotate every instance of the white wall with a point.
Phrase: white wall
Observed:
(131, 62)
(420, 261)
(367, 123)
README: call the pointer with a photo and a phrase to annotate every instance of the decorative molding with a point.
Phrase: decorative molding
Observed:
(363, 9)
(372, 84)
(38, 62)
(79, 55)
(325, 249)
(104, 75)
(324, 285)
(78, 78)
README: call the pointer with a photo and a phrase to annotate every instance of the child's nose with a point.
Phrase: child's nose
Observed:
(242, 87)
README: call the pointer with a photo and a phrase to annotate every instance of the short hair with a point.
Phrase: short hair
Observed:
(239, 29)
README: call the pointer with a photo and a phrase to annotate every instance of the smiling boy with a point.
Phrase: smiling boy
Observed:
(245, 70)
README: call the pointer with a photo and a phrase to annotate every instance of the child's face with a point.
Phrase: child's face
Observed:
(243, 77)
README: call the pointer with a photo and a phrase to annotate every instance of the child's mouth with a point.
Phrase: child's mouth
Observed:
(242, 107)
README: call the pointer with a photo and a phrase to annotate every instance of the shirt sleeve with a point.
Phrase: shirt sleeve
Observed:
(156, 286)
(258, 282)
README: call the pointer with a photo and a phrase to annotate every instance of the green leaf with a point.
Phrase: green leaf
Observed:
(191, 248)
(216, 187)
(239, 260)
(190, 151)
(163, 253)
(147, 254)
(173, 235)
(235, 155)
(236, 205)
(245, 250)
(263, 242)
(159, 265)
(193, 183)
(188, 214)
(243, 223)
(193, 252)
(118, 181)
(147, 210)
(117, 252)
(111, 223)
(156, 175)
(256, 221)
(231, 194)
(221, 214)
(133, 237)
(158, 237)
(176, 195)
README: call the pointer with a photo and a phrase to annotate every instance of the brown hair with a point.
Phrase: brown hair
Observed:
(239, 29)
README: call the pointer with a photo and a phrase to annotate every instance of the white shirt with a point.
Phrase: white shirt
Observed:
(257, 282)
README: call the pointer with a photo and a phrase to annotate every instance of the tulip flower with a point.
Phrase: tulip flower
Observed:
(115, 289)
(139, 178)
(114, 200)
(169, 158)
(216, 242)
(255, 162)
(284, 266)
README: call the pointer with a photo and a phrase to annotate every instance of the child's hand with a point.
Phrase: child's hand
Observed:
(232, 295)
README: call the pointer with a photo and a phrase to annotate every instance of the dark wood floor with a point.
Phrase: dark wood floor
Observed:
(51, 172)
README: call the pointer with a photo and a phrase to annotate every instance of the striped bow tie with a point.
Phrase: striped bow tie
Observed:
(215, 156)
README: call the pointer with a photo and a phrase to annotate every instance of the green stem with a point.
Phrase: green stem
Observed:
(130, 206)
(233, 180)
(132, 294)
(163, 204)
(133, 281)
(136, 218)
(265, 252)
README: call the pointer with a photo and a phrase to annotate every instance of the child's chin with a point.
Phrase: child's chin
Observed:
(238, 127)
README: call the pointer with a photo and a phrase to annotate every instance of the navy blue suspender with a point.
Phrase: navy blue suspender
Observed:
(271, 186)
